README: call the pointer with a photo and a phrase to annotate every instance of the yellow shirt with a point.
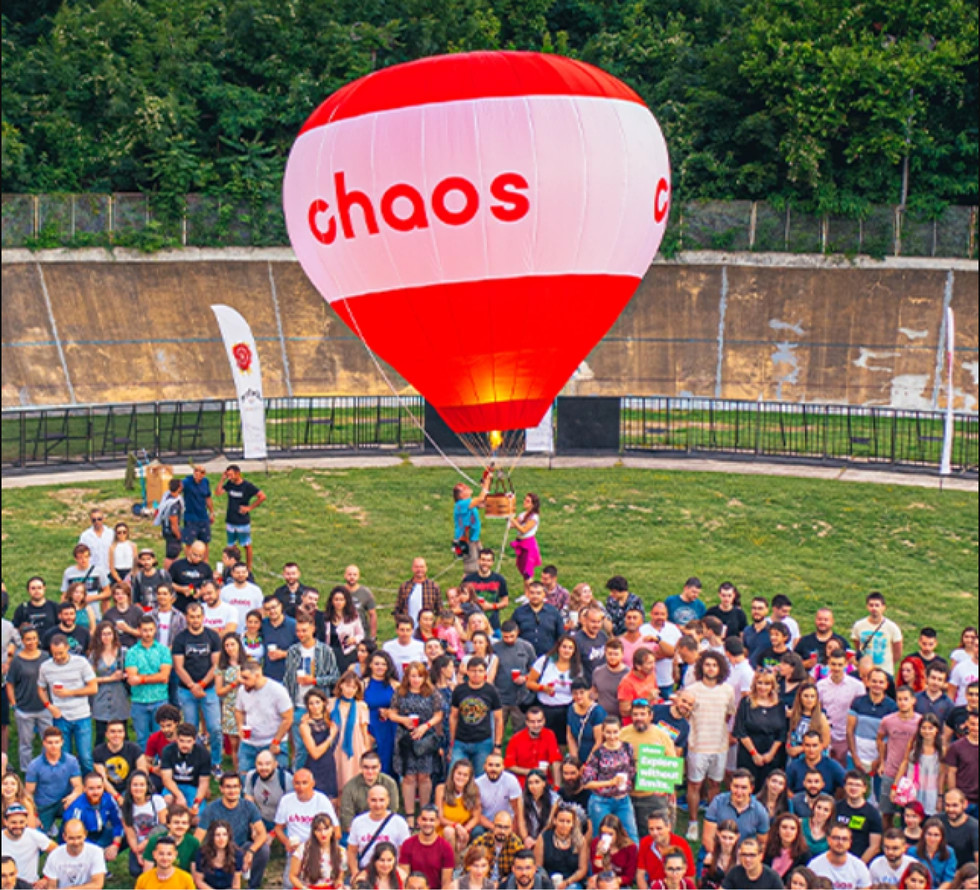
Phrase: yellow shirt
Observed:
(179, 880)
(654, 735)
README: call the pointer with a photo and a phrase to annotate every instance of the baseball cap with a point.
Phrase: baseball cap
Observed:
(16, 808)
(149, 550)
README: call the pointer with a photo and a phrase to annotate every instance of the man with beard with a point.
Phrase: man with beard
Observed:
(24, 844)
(642, 732)
(503, 847)
(427, 852)
(490, 588)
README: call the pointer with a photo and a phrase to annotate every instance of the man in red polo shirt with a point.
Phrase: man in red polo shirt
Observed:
(656, 845)
(534, 747)
(641, 682)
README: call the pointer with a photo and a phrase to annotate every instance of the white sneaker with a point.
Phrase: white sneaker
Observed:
(692, 831)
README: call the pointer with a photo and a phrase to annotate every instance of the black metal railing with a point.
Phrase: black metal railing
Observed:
(91, 434)
(836, 433)
(845, 434)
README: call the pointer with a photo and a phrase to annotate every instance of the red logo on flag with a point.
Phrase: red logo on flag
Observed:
(243, 356)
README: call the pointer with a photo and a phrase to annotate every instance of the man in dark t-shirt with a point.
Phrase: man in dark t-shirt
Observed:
(189, 573)
(861, 817)
(489, 588)
(78, 637)
(38, 610)
(238, 519)
(117, 758)
(476, 721)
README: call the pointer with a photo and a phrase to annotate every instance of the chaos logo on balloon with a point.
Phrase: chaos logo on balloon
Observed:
(480, 220)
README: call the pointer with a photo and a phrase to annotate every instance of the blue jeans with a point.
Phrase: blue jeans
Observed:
(193, 708)
(79, 732)
(247, 754)
(144, 719)
(600, 807)
(475, 752)
(299, 749)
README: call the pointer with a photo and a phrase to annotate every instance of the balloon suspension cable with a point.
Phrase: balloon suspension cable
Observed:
(503, 546)
(402, 403)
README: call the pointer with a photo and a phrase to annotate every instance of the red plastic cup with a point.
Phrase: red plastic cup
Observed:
(246, 733)
(415, 720)
(514, 674)
(58, 687)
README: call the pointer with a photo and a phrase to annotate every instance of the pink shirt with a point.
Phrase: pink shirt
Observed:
(897, 734)
(836, 700)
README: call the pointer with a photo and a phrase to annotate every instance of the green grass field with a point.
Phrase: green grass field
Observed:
(821, 542)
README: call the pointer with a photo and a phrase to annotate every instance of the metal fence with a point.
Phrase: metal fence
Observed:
(844, 434)
(137, 219)
(92, 434)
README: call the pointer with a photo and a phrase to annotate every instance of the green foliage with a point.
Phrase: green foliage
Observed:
(817, 102)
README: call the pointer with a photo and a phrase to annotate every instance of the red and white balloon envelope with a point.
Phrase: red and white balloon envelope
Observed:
(480, 220)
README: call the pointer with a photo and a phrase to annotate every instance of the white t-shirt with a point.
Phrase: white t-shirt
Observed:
(883, 875)
(852, 875)
(243, 599)
(496, 796)
(220, 616)
(73, 871)
(670, 634)
(297, 816)
(876, 640)
(415, 603)
(304, 671)
(73, 674)
(549, 675)
(165, 621)
(26, 852)
(962, 676)
(402, 655)
(740, 679)
(262, 710)
(98, 545)
(146, 816)
(363, 827)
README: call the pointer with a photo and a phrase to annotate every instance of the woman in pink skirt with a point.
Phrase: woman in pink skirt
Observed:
(526, 543)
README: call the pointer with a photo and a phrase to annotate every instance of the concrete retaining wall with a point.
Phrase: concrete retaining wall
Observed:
(89, 326)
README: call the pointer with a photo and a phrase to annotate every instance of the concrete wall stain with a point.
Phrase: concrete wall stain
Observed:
(732, 326)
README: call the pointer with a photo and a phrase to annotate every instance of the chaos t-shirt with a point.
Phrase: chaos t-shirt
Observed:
(476, 707)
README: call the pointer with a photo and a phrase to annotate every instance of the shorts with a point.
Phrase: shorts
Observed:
(706, 766)
(173, 546)
(239, 534)
(196, 531)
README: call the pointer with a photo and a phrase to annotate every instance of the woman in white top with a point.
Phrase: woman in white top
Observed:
(142, 811)
(317, 862)
(526, 546)
(482, 647)
(122, 553)
(551, 677)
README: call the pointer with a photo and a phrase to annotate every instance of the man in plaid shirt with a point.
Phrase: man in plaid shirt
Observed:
(502, 845)
(418, 593)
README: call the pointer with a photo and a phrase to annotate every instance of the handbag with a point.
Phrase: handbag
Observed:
(906, 789)
(428, 744)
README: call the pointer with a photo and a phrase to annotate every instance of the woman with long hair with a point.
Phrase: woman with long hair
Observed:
(425, 626)
(761, 728)
(612, 849)
(459, 805)
(343, 628)
(318, 734)
(526, 544)
(609, 774)
(77, 595)
(816, 826)
(481, 646)
(538, 802)
(378, 693)
(806, 714)
(560, 849)
(226, 682)
(351, 716)
(923, 763)
(124, 614)
(792, 674)
(111, 701)
(476, 871)
(383, 871)
(317, 863)
(967, 877)
(13, 790)
(916, 877)
(913, 815)
(786, 848)
(142, 811)
(253, 646)
(218, 863)
(802, 878)
(774, 794)
(912, 673)
(443, 677)
(416, 709)
(933, 852)
(551, 678)
(476, 623)
(968, 640)
(722, 857)
(122, 553)
(365, 649)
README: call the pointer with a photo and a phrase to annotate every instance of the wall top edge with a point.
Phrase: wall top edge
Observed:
(22, 256)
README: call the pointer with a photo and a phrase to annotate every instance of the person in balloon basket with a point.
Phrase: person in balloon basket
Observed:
(466, 521)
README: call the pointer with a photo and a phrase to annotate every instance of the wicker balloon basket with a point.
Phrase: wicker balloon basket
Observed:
(502, 504)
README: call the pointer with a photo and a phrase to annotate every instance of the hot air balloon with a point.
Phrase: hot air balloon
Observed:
(480, 220)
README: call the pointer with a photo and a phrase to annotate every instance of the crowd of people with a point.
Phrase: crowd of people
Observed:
(182, 717)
